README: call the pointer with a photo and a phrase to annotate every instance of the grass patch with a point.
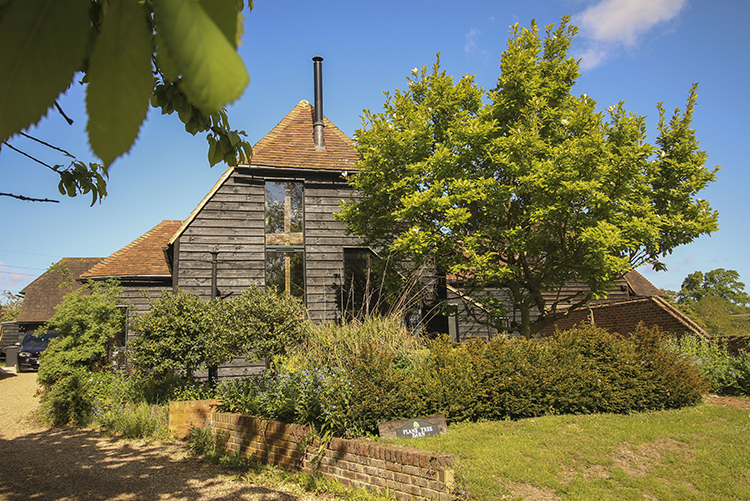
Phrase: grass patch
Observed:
(135, 421)
(696, 453)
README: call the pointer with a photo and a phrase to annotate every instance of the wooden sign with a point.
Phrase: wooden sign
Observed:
(414, 427)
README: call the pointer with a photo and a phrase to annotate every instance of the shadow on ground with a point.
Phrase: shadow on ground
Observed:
(73, 464)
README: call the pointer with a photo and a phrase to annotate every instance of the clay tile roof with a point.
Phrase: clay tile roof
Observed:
(141, 257)
(43, 294)
(290, 144)
(640, 285)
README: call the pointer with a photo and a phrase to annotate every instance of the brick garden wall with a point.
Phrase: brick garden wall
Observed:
(407, 473)
(183, 415)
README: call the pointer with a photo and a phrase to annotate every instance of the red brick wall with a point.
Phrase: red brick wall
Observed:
(183, 415)
(407, 473)
(624, 316)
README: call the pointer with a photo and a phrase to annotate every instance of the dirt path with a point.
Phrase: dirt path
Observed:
(71, 464)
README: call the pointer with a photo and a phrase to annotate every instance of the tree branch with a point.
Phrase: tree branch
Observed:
(30, 199)
(66, 153)
(66, 117)
(29, 156)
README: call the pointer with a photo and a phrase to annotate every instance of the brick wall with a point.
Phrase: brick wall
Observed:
(183, 415)
(407, 473)
(623, 317)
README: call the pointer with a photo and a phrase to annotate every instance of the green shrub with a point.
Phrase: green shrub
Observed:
(672, 378)
(726, 374)
(69, 399)
(583, 370)
(287, 395)
(178, 335)
(445, 382)
(88, 320)
(181, 333)
(74, 367)
(374, 389)
(510, 379)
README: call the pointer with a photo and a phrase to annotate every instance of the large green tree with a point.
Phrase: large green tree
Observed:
(719, 282)
(178, 55)
(526, 187)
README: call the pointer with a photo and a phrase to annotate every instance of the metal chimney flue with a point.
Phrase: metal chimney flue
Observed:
(318, 137)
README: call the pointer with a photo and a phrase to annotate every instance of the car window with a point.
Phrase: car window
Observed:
(41, 341)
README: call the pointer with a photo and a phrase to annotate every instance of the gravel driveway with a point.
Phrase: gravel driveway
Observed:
(70, 464)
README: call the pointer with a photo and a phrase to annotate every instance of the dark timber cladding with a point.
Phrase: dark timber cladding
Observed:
(233, 220)
(325, 239)
(272, 221)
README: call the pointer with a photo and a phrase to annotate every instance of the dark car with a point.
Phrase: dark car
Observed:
(31, 347)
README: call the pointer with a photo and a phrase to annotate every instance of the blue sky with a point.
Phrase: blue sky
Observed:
(638, 51)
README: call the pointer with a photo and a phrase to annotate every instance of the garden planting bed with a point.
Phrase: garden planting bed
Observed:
(408, 473)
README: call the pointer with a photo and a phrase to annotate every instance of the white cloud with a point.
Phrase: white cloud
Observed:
(473, 48)
(612, 24)
(592, 57)
(9, 277)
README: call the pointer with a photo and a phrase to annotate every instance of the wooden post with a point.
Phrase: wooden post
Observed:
(213, 370)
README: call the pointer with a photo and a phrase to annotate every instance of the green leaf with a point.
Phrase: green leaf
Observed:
(43, 44)
(213, 74)
(120, 79)
(225, 16)
(164, 62)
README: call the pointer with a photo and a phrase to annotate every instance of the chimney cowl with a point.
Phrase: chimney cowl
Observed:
(318, 136)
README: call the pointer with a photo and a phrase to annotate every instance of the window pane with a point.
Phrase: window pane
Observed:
(284, 271)
(284, 207)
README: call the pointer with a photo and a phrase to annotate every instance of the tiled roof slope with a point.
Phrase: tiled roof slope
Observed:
(141, 257)
(43, 294)
(290, 144)
(640, 285)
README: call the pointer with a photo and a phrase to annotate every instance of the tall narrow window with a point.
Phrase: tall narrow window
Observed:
(284, 236)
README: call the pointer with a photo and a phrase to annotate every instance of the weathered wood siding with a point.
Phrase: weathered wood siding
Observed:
(136, 297)
(233, 221)
(325, 240)
(472, 321)
(9, 336)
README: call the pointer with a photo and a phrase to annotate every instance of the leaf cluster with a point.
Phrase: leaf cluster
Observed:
(178, 55)
(88, 319)
(10, 306)
(527, 186)
(181, 333)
